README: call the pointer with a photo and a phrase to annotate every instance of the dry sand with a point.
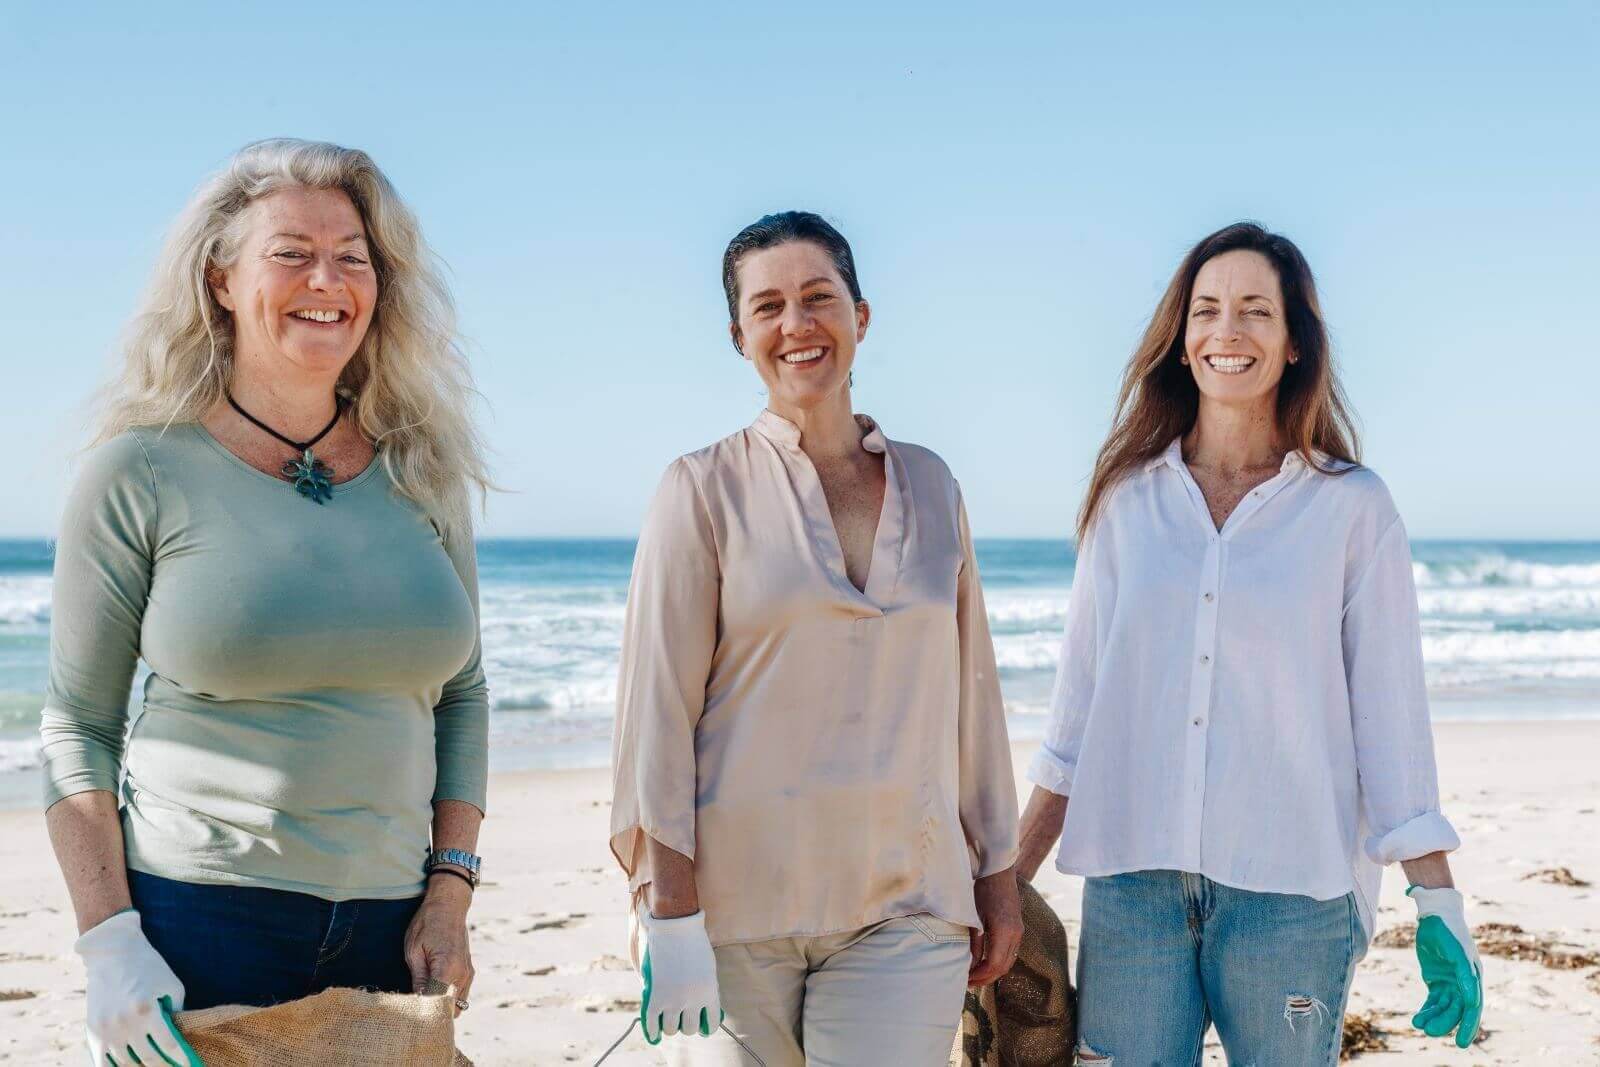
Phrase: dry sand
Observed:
(549, 932)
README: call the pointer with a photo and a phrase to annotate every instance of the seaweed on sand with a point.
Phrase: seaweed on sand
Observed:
(1556, 876)
(1507, 941)
(1361, 1034)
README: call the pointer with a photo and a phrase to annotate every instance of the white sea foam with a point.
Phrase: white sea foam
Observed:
(1027, 652)
(594, 695)
(1497, 569)
(24, 603)
(1499, 646)
(19, 754)
(1032, 607)
(1563, 602)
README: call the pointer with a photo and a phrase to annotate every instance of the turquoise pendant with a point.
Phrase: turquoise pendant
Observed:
(312, 478)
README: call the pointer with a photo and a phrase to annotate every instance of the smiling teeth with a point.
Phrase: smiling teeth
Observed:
(317, 316)
(1229, 364)
(805, 356)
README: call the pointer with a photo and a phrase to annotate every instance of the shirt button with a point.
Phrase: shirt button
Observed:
(1209, 598)
(1205, 659)
(1199, 722)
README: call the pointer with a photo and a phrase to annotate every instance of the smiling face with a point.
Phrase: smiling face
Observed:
(798, 324)
(1237, 335)
(302, 287)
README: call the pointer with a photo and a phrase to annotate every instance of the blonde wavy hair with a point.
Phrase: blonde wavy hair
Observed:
(408, 383)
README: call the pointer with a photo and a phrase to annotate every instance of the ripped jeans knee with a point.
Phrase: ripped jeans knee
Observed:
(1298, 1007)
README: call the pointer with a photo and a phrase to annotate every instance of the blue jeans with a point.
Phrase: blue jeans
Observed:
(1163, 955)
(245, 945)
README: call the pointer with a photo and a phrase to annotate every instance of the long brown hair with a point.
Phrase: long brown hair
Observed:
(1159, 400)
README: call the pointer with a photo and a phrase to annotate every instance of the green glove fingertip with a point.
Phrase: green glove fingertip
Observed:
(1468, 1031)
(177, 1035)
(157, 1050)
(644, 1003)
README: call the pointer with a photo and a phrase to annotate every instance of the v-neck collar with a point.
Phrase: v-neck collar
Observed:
(780, 431)
(883, 569)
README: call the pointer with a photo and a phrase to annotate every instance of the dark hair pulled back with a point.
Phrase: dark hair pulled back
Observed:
(779, 228)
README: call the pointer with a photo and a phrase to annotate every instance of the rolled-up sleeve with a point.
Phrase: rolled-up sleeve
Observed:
(1389, 708)
(669, 637)
(105, 557)
(987, 788)
(461, 716)
(1056, 762)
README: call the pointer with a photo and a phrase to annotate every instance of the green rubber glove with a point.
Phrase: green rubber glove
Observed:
(1450, 966)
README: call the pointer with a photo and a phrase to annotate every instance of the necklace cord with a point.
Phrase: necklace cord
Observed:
(338, 410)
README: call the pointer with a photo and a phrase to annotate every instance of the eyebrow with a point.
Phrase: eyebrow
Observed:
(763, 294)
(303, 237)
(1248, 296)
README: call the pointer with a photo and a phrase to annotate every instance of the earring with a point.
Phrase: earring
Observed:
(1184, 360)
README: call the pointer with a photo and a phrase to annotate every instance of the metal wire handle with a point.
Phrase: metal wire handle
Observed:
(720, 1026)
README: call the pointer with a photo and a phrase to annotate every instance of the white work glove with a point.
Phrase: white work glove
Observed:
(132, 994)
(680, 978)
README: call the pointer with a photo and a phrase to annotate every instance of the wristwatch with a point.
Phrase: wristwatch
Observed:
(455, 857)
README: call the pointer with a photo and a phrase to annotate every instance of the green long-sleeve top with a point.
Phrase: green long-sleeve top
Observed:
(316, 678)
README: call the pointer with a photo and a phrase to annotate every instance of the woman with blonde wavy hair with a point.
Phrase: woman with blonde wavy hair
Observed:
(275, 518)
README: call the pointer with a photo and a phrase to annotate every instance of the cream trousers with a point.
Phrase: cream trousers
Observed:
(887, 994)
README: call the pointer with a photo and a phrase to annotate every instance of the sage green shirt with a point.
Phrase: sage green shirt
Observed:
(316, 678)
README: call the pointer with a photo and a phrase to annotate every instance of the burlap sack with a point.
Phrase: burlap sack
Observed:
(1028, 1018)
(339, 1028)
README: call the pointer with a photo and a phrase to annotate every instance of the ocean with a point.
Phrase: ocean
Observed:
(1510, 630)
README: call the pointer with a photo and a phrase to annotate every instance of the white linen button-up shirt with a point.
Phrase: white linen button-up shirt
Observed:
(1248, 703)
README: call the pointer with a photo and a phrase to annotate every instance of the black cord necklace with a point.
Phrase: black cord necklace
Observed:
(312, 478)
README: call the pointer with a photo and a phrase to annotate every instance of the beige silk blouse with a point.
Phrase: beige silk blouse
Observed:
(828, 757)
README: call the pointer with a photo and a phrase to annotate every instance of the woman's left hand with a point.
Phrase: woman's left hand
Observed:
(436, 942)
(995, 947)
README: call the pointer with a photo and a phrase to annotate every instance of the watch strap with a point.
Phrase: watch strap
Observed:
(455, 857)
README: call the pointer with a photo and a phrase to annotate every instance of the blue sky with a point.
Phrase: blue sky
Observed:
(1018, 187)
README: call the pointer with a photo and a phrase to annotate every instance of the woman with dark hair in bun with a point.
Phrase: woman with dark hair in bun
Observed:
(813, 797)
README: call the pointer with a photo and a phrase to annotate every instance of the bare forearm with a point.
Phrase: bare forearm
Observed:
(1041, 826)
(86, 834)
(1430, 872)
(455, 825)
(671, 892)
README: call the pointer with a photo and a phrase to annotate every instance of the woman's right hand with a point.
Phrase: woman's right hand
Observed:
(680, 977)
(132, 995)
(1040, 829)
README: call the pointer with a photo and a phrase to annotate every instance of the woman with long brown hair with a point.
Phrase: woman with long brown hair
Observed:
(1240, 718)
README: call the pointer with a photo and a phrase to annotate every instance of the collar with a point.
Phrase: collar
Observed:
(1172, 456)
(780, 431)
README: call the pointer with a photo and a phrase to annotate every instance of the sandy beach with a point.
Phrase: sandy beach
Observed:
(553, 986)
